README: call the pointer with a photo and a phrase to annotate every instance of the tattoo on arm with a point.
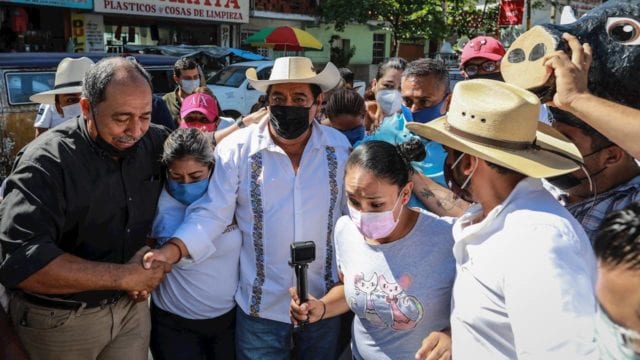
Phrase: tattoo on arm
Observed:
(445, 199)
(427, 194)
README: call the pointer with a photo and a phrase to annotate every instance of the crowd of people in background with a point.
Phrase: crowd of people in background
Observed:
(465, 222)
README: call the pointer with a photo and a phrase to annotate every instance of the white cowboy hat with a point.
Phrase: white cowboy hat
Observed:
(498, 122)
(69, 76)
(296, 70)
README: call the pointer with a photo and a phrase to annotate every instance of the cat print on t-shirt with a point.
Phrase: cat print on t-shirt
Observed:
(386, 303)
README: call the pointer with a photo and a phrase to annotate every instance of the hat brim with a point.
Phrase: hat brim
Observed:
(203, 111)
(326, 79)
(531, 162)
(488, 56)
(49, 97)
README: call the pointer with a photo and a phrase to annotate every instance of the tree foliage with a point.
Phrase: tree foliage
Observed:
(414, 19)
(406, 19)
(464, 19)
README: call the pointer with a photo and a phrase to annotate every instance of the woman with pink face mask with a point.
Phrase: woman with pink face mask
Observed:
(395, 263)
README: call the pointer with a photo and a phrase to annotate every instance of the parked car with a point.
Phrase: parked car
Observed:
(234, 93)
(232, 89)
(24, 74)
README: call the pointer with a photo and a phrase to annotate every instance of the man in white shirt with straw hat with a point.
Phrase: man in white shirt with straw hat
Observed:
(525, 268)
(63, 101)
(282, 180)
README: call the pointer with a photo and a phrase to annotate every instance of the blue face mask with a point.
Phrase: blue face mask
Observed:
(427, 114)
(187, 193)
(354, 135)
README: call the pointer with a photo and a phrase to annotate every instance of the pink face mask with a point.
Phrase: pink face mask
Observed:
(375, 225)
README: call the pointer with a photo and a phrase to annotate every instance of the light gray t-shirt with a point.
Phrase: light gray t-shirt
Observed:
(401, 291)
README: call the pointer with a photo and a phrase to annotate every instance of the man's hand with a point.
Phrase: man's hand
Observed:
(311, 311)
(155, 255)
(140, 282)
(171, 252)
(139, 296)
(436, 346)
(572, 74)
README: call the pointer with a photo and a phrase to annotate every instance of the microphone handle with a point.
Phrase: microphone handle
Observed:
(301, 276)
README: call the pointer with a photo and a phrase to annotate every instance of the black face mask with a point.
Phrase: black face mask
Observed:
(493, 76)
(569, 181)
(289, 122)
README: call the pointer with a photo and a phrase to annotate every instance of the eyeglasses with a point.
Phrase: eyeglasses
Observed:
(487, 66)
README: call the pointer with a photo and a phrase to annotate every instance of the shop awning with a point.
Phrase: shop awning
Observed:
(213, 51)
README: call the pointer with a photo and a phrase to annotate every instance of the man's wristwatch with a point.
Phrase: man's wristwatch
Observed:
(241, 123)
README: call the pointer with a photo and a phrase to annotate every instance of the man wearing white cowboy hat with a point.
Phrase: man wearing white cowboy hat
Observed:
(282, 180)
(525, 268)
(63, 101)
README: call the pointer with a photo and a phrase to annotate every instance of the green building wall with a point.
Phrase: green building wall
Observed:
(360, 36)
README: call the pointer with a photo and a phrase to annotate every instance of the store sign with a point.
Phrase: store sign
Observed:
(236, 11)
(511, 12)
(75, 4)
(87, 32)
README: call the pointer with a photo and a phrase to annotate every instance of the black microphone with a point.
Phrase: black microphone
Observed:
(302, 254)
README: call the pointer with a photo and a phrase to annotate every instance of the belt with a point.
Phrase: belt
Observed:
(68, 304)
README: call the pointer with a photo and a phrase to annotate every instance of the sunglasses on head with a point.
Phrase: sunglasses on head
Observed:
(487, 66)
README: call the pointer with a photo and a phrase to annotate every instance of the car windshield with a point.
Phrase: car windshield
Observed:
(232, 76)
(22, 85)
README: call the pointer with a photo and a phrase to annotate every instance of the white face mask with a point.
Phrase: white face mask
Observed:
(71, 111)
(390, 100)
(189, 86)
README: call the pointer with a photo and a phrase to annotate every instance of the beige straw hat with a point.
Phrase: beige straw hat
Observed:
(299, 70)
(69, 75)
(498, 122)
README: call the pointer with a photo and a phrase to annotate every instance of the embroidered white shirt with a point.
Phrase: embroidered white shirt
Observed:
(274, 206)
(525, 281)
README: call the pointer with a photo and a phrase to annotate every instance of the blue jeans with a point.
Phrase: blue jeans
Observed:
(264, 339)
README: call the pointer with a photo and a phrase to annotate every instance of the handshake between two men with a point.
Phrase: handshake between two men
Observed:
(155, 263)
